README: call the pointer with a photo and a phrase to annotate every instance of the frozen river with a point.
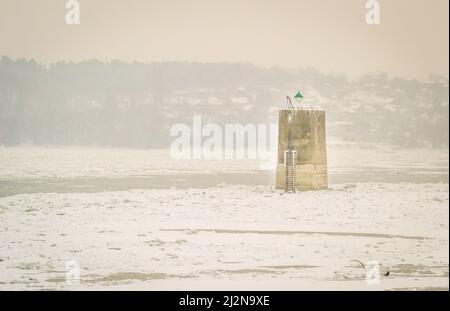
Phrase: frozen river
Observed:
(135, 219)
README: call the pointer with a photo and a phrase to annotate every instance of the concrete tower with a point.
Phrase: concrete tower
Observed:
(302, 152)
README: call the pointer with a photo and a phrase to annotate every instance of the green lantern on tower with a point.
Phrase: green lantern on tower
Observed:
(298, 97)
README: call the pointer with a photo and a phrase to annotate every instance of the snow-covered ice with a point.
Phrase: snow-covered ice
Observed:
(136, 219)
(228, 237)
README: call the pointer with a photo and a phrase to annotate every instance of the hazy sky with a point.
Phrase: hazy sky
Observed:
(330, 35)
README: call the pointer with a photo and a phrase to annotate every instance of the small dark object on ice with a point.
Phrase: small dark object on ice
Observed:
(360, 262)
(387, 274)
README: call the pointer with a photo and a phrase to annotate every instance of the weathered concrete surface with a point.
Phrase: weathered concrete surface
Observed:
(309, 139)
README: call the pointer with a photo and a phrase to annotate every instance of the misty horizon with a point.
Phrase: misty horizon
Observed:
(135, 104)
(431, 77)
(410, 42)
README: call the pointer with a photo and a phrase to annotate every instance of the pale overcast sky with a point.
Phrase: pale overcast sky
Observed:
(329, 35)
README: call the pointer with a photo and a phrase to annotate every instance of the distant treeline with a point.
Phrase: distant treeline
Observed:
(135, 104)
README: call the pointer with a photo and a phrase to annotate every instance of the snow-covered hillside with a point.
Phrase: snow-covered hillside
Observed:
(120, 104)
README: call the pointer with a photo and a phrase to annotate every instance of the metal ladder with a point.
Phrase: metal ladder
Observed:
(290, 162)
